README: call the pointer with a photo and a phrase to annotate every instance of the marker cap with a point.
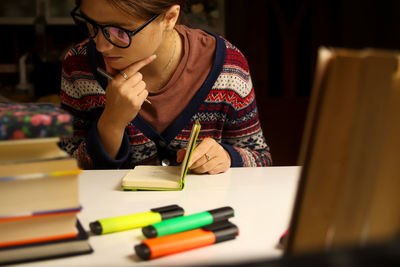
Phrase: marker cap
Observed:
(96, 228)
(149, 231)
(222, 214)
(143, 251)
(223, 230)
(170, 211)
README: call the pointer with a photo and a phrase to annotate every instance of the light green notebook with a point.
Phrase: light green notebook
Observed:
(163, 178)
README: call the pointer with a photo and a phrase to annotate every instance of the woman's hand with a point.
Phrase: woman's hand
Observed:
(208, 157)
(125, 95)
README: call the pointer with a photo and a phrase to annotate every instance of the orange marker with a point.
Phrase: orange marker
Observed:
(170, 244)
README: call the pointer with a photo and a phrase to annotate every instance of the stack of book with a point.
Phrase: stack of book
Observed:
(39, 190)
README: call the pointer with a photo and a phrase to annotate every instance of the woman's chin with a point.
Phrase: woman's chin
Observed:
(114, 63)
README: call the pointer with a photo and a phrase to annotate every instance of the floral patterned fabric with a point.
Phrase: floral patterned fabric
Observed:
(33, 120)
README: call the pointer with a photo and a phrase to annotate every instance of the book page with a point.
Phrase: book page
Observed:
(12, 151)
(38, 167)
(146, 176)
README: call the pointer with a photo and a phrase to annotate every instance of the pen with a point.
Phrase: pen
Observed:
(126, 222)
(189, 222)
(170, 244)
(110, 77)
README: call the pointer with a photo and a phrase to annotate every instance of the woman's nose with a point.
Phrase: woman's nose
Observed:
(102, 44)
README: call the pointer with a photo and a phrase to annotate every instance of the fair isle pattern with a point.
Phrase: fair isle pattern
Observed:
(138, 152)
(84, 86)
(228, 114)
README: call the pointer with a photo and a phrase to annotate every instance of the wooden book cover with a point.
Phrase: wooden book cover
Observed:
(145, 177)
(342, 149)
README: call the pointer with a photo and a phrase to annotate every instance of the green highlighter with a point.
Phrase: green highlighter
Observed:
(127, 222)
(189, 222)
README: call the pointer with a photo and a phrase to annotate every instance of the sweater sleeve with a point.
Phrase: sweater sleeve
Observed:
(244, 140)
(84, 98)
(242, 134)
(247, 147)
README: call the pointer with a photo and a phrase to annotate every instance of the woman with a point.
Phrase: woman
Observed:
(186, 74)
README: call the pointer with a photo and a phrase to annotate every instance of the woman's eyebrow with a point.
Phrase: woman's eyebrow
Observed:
(106, 22)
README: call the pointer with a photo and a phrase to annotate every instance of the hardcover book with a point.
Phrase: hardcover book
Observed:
(38, 227)
(145, 177)
(12, 151)
(77, 245)
(348, 190)
(35, 192)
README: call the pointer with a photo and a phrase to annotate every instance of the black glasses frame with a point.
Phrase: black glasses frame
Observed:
(96, 27)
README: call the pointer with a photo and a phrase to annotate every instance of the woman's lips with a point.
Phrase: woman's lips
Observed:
(111, 59)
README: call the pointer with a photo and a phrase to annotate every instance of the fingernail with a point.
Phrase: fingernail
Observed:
(153, 56)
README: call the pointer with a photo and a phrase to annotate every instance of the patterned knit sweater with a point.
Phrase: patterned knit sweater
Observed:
(225, 107)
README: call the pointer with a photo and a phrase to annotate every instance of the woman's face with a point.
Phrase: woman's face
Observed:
(143, 44)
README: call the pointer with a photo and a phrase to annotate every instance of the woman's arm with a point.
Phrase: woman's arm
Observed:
(84, 98)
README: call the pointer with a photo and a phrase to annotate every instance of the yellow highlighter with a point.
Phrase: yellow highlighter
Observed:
(138, 220)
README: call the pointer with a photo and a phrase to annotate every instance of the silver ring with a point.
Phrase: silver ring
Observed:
(208, 157)
(124, 75)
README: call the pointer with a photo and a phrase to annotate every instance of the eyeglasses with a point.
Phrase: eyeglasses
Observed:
(117, 36)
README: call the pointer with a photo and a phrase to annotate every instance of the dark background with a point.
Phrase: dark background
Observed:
(280, 39)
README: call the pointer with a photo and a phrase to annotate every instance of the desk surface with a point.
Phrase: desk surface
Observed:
(261, 197)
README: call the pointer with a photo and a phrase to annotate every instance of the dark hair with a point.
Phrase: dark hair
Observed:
(145, 9)
(148, 8)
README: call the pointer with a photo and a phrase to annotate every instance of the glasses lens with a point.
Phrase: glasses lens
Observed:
(117, 36)
(85, 26)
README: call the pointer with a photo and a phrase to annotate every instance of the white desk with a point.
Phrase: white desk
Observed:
(261, 197)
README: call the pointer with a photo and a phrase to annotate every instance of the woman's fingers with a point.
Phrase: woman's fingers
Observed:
(209, 157)
(208, 165)
(135, 67)
(199, 152)
(127, 92)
